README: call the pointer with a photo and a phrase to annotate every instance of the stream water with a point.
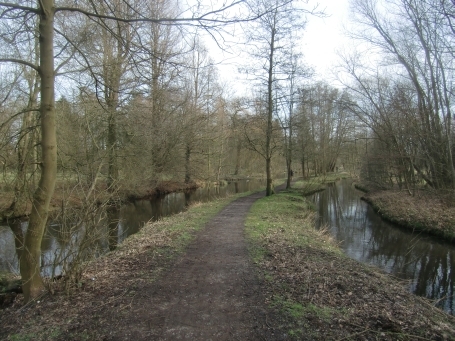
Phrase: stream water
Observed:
(59, 246)
(426, 265)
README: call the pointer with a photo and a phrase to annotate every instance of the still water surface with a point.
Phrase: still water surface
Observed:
(116, 225)
(427, 265)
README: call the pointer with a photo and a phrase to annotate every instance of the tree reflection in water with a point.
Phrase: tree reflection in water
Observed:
(428, 265)
(116, 223)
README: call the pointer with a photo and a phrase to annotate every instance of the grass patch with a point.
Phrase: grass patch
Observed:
(287, 217)
(309, 186)
(51, 334)
(21, 337)
(331, 177)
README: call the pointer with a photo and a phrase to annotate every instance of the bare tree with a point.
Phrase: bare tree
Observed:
(414, 39)
(269, 41)
(46, 12)
(323, 126)
(293, 72)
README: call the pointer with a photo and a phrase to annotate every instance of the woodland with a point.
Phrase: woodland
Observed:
(101, 101)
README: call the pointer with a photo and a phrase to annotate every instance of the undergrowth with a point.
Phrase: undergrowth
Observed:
(287, 221)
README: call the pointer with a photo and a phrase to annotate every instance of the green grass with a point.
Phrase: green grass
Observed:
(288, 215)
(286, 220)
(21, 337)
(50, 334)
(298, 311)
(309, 186)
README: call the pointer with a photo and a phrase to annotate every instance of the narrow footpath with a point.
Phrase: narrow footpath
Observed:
(210, 293)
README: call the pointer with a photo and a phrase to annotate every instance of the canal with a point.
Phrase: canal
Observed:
(61, 243)
(426, 265)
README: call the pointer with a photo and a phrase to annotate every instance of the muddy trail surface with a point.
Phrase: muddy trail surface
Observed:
(210, 293)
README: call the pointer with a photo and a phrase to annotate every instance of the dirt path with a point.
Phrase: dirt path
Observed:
(211, 293)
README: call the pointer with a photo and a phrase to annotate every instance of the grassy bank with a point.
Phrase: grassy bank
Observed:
(322, 294)
(313, 184)
(429, 212)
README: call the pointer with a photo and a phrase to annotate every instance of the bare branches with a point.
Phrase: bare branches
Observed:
(11, 6)
(209, 18)
(19, 61)
(407, 101)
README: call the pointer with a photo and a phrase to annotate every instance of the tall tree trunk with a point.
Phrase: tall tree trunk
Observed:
(155, 110)
(220, 156)
(237, 158)
(187, 164)
(115, 54)
(290, 174)
(32, 282)
(269, 189)
(268, 147)
(112, 177)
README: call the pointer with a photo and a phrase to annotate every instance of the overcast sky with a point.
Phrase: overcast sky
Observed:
(320, 41)
(323, 37)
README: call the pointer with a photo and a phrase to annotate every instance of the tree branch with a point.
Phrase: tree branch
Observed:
(19, 61)
(16, 6)
(200, 19)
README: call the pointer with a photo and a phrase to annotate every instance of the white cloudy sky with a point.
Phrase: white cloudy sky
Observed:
(321, 39)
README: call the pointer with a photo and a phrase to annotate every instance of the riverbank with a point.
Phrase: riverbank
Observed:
(68, 195)
(74, 196)
(426, 211)
(320, 293)
(311, 290)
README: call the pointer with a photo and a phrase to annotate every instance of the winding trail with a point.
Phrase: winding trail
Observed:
(211, 292)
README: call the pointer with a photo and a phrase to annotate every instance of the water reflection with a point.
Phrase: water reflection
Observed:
(428, 265)
(9, 260)
(60, 244)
